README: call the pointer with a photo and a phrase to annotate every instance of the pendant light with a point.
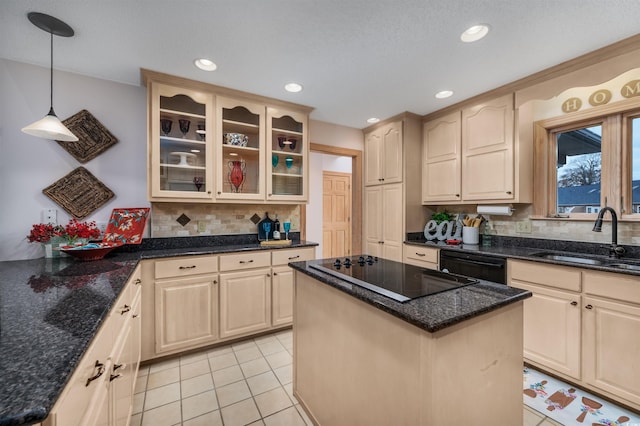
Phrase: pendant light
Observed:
(50, 127)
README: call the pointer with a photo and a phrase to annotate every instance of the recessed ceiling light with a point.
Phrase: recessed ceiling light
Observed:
(293, 87)
(205, 64)
(373, 120)
(474, 33)
(444, 94)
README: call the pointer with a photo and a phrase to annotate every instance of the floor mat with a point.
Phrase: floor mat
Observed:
(571, 406)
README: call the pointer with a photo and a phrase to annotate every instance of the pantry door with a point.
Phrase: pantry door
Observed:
(336, 214)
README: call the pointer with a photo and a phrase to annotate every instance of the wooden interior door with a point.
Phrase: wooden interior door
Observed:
(336, 214)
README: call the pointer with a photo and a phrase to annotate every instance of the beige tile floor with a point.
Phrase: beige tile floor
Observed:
(245, 383)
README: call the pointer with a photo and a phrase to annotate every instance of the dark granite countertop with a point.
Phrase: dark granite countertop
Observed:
(50, 310)
(527, 248)
(431, 313)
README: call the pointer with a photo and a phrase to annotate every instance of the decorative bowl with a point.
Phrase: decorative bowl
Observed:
(236, 139)
(91, 251)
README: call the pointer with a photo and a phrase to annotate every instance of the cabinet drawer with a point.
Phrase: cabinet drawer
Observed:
(248, 260)
(613, 286)
(283, 257)
(423, 254)
(563, 277)
(188, 265)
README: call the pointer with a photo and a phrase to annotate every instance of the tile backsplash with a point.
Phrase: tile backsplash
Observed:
(187, 220)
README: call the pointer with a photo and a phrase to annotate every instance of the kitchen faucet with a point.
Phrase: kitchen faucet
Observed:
(614, 250)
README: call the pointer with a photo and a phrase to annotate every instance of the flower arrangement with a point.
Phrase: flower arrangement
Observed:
(42, 233)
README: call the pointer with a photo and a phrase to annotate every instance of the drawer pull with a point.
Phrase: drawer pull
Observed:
(134, 316)
(100, 368)
(421, 254)
(137, 281)
(112, 377)
(116, 366)
(125, 309)
(589, 306)
(574, 303)
(187, 267)
(293, 257)
(246, 261)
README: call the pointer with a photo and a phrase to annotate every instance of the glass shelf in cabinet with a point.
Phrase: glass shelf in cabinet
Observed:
(182, 140)
(181, 166)
(231, 125)
(180, 114)
(286, 132)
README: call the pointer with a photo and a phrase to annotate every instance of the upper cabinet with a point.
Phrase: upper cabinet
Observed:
(180, 154)
(472, 156)
(211, 144)
(383, 155)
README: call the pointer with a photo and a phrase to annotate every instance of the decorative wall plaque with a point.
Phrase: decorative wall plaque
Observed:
(79, 193)
(93, 137)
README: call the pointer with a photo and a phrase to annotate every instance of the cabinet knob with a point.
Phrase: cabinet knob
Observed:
(100, 367)
(208, 192)
(269, 275)
(219, 192)
(589, 306)
(270, 195)
(275, 273)
(457, 195)
(574, 303)
(215, 281)
(509, 192)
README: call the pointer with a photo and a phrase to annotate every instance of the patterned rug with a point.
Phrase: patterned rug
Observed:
(571, 406)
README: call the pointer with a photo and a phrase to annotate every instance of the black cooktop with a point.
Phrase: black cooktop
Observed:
(399, 281)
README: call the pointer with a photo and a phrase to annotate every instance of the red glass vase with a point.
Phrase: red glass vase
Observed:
(237, 174)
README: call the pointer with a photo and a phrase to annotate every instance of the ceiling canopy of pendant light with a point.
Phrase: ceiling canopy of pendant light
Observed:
(50, 127)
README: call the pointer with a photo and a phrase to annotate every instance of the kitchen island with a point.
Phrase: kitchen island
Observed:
(361, 358)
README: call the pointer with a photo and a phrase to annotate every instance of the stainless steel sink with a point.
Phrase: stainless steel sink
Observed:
(628, 266)
(569, 258)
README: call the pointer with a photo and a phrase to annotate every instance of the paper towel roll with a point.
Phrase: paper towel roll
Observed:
(495, 210)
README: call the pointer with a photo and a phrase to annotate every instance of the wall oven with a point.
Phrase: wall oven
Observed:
(474, 265)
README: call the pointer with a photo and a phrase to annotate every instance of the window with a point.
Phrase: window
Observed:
(587, 160)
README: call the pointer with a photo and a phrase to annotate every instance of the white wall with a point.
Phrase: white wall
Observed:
(29, 164)
(320, 163)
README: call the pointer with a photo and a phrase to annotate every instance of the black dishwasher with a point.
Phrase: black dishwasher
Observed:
(474, 265)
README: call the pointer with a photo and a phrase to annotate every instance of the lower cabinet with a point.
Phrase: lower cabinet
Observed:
(582, 325)
(245, 302)
(282, 295)
(425, 257)
(100, 391)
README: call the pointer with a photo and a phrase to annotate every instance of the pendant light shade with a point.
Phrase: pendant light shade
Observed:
(50, 127)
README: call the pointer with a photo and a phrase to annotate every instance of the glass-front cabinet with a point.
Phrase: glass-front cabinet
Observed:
(241, 155)
(181, 137)
(287, 156)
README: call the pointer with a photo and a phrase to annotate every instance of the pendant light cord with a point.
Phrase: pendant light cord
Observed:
(51, 80)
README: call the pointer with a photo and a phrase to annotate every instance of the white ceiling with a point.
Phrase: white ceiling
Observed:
(355, 58)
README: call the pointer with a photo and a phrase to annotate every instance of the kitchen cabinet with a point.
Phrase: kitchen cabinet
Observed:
(579, 324)
(179, 145)
(472, 156)
(100, 390)
(186, 303)
(383, 221)
(383, 154)
(425, 257)
(282, 283)
(442, 159)
(287, 155)
(245, 293)
(238, 148)
(611, 326)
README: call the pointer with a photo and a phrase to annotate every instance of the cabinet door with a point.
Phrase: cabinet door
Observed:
(180, 143)
(487, 147)
(240, 154)
(441, 159)
(552, 328)
(611, 348)
(245, 302)
(282, 296)
(372, 153)
(392, 222)
(186, 313)
(121, 376)
(287, 156)
(373, 216)
(391, 155)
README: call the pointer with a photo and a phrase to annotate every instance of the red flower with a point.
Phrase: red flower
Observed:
(74, 230)
(42, 233)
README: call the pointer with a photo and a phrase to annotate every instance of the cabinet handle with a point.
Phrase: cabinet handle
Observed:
(457, 195)
(219, 192)
(294, 257)
(137, 281)
(208, 192)
(574, 303)
(125, 309)
(112, 377)
(509, 192)
(134, 315)
(275, 273)
(269, 275)
(421, 254)
(589, 307)
(187, 267)
(246, 261)
(215, 281)
(116, 366)
(100, 368)
(270, 195)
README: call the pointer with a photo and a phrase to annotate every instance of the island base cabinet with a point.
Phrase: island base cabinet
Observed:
(611, 351)
(391, 372)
